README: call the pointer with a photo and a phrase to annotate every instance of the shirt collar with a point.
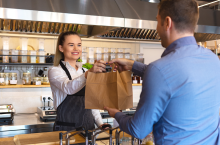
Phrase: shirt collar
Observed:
(190, 40)
(68, 66)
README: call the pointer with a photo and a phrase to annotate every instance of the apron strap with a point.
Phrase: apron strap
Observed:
(66, 70)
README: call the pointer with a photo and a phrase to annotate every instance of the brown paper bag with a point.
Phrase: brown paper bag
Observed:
(112, 89)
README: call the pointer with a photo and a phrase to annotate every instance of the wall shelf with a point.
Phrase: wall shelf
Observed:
(15, 64)
(25, 86)
(136, 84)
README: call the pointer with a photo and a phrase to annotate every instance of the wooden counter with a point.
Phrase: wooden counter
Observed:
(42, 137)
(7, 141)
(25, 86)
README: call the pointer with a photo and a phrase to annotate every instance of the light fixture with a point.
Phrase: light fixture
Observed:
(209, 3)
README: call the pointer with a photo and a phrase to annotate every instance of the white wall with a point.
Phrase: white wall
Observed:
(152, 51)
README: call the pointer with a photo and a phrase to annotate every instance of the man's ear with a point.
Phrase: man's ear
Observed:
(168, 23)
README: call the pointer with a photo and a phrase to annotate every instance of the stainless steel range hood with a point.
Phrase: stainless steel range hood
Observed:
(119, 19)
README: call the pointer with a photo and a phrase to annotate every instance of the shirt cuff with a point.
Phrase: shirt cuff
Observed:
(118, 116)
(99, 122)
(138, 68)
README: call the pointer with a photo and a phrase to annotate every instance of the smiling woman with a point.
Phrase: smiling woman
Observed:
(67, 81)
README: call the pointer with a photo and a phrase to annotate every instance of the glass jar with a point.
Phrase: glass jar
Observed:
(7, 78)
(14, 59)
(26, 79)
(5, 59)
(98, 50)
(140, 57)
(127, 55)
(84, 57)
(32, 59)
(90, 52)
(133, 57)
(41, 59)
(91, 60)
(105, 57)
(105, 50)
(127, 50)
(13, 78)
(83, 49)
(23, 59)
(120, 55)
(36, 81)
(112, 56)
(41, 79)
(112, 50)
(2, 79)
(98, 56)
(120, 50)
(46, 81)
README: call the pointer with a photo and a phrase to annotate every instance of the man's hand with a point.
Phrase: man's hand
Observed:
(122, 64)
(111, 111)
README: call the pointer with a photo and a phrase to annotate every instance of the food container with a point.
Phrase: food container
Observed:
(84, 49)
(98, 50)
(134, 79)
(113, 50)
(133, 57)
(41, 59)
(13, 78)
(105, 57)
(46, 81)
(112, 56)
(26, 78)
(140, 57)
(14, 59)
(41, 79)
(7, 78)
(36, 81)
(32, 59)
(105, 50)
(2, 79)
(120, 50)
(98, 56)
(84, 57)
(23, 59)
(91, 52)
(120, 55)
(5, 59)
(127, 55)
(91, 60)
(127, 50)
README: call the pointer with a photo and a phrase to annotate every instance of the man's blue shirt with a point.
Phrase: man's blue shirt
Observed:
(180, 97)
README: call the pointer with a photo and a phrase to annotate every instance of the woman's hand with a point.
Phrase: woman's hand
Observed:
(98, 67)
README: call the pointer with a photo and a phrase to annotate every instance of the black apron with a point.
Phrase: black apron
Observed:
(71, 113)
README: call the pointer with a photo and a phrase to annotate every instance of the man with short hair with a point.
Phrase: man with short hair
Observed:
(180, 96)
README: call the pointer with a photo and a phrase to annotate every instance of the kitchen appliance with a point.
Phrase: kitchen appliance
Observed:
(6, 114)
(47, 113)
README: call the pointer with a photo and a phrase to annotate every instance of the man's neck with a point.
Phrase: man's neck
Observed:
(177, 36)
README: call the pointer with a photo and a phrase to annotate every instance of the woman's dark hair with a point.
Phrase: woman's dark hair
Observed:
(61, 39)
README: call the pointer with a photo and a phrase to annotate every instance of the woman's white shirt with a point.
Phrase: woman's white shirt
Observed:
(61, 86)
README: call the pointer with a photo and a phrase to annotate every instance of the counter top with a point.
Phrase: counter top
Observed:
(26, 121)
(25, 86)
(39, 86)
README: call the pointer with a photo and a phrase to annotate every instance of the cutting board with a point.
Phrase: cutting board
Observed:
(47, 138)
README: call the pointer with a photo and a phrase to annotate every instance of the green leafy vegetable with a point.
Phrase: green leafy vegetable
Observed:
(79, 60)
(87, 66)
